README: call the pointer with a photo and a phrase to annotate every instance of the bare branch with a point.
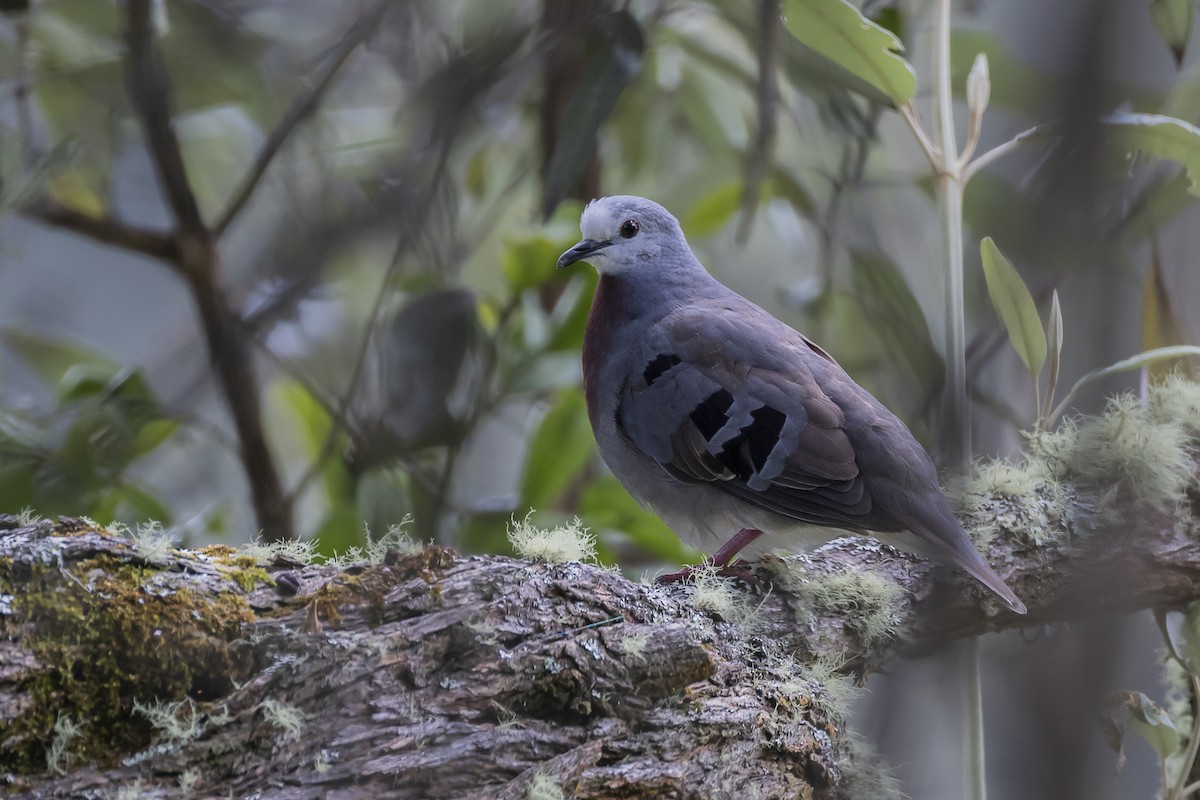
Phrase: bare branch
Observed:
(107, 230)
(22, 92)
(150, 91)
(758, 160)
(587, 673)
(910, 115)
(303, 106)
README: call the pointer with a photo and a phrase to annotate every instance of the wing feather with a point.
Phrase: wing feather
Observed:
(710, 404)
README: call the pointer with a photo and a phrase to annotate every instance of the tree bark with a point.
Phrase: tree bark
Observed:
(434, 675)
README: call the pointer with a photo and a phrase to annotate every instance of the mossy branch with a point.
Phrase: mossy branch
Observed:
(416, 672)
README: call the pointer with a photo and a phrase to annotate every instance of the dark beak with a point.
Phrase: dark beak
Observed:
(581, 251)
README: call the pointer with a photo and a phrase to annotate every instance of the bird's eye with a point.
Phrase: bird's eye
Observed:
(629, 228)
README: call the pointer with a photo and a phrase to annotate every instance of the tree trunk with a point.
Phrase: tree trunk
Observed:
(432, 675)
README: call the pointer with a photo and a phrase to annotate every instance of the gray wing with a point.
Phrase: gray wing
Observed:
(728, 396)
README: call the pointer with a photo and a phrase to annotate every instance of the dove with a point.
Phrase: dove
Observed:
(740, 432)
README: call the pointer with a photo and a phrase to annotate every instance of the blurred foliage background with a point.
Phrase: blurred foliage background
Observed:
(356, 317)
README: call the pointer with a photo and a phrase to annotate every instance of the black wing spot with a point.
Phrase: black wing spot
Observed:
(763, 434)
(748, 451)
(710, 416)
(655, 369)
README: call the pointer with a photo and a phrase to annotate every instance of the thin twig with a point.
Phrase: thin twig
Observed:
(909, 113)
(758, 160)
(1001, 150)
(851, 167)
(343, 405)
(338, 422)
(150, 92)
(22, 94)
(1189, 754)
(107, 230)
(303, 106)
(974, 130)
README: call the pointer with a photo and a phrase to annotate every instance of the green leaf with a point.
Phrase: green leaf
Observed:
(606, 506)
(1054, 337)
(214, 59)
(890, 308)
(135, 504)
(1173, 18)
(559, 452)
(217, 144)
(476, 177)
(837, 30)
(713, 210)
(550, 370)
(1153, 724)
(151, 435)
(711, 116)
(484, 533)
(52, 358)
(1015, 306)
(339, 531)
(569, 318)
(1125, 365)
(1181, 629)
(786, 186)
(612, 58)
(84, 380)
(1145, 717)
(1158, 136)
(72, 189)
(310, 421)
(307, 424)
(529, 263)
(17, 489)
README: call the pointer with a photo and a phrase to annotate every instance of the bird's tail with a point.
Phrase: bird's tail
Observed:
(974, 565)
(942, 537)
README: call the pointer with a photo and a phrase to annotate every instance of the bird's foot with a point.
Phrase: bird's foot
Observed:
(739, 570)
(722, 560)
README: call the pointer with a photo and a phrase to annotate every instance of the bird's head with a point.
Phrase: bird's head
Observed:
(624, 232)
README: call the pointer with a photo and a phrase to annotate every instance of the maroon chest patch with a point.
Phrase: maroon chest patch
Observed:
(598, 338)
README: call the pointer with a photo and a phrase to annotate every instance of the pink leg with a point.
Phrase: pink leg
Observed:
(722, 559)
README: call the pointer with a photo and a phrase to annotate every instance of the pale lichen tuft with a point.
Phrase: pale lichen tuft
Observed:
(177, 721)
(870, 603)
(1136, 461)
(559, 545)
(543, 787)
(59, 757)
(287, 718)
(151, 542)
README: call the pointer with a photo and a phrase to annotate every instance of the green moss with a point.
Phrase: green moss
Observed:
(1176, 399)
(243, 568)
(1130, 458)
(221, 553)
(1055, 449)
(1137, 461)
(105, 635)
(1021, 497)
(248, 577)
(366, 589)
(869, 602)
